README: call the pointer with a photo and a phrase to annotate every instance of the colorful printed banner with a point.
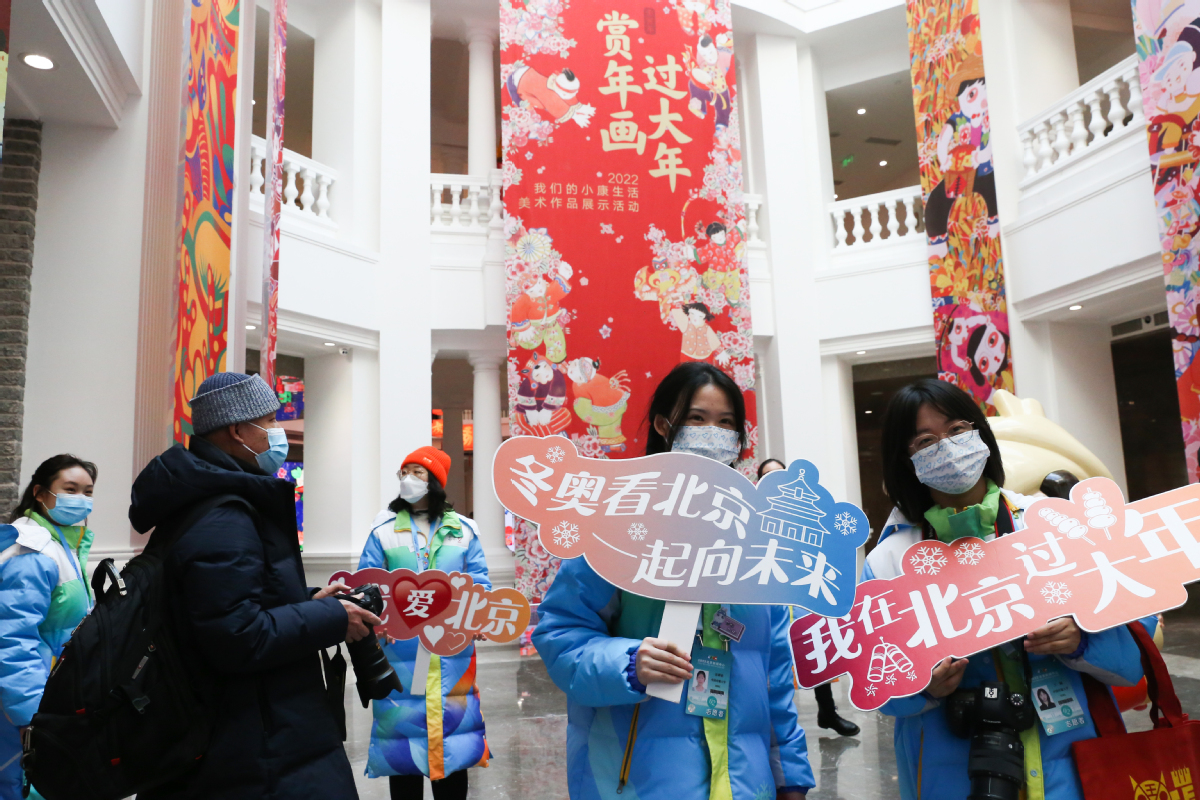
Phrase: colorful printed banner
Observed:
(5, 28)
(1093, 557)
(624, 216)
(206, 213)
(685, 528)
(273, 188)
(446, 610)
(958, 181)
(1168, 39)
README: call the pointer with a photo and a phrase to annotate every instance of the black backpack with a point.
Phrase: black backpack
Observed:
(127, 707)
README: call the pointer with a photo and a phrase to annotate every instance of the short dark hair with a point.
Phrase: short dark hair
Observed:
(438, 504)
(962, 87)
(973, 343)
(701, 307)
(673, 398)
(44, 475)
(713, 229)
(762, 468)
(900, 426)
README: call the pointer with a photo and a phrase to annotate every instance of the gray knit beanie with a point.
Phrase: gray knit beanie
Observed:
(229, 397)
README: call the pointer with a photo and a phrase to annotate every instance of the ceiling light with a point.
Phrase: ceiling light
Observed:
(883, 163)
(862, 111)
(330, 344)
(835, 195)
(861, 353)
(251, 327)
(37, 62)
(868, 411)
(1075, 307)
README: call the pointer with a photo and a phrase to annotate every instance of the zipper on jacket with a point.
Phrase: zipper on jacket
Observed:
(628, 759)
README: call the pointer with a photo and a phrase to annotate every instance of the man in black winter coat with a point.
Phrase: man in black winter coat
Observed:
(255, 630)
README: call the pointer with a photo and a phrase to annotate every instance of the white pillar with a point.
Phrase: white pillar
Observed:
(481, 105)
(839, 473)
(488, 512)
(452, 445)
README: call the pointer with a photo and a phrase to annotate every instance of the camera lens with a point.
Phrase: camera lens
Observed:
(375, 677)
(996, 765)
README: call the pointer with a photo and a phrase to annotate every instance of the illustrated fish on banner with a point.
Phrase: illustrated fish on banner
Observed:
(958, 182)
(206, 210)
(1093, 557)
(444, 610)
(1168, 40)
(684, 528)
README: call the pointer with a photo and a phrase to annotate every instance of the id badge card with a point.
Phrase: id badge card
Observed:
(708, 689)
(727, 626)
(1054, 699)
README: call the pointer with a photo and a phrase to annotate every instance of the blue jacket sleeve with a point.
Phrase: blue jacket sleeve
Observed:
(572, 638)
(788, 737)
(909, 706)
(475, 563)
(372, 554)
(26, 582)
(221, 564)
(1111, 656)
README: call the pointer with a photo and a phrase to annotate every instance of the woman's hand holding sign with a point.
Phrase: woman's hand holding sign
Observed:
(660, 661)
(946, 677)
(1059, 637)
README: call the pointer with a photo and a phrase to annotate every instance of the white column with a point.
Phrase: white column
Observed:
(839, 473)
(488, 512)
(799, 184)
(481, 105)
(452, 445)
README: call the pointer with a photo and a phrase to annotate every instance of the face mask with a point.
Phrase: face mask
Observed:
(271, 459)
(955, 465)
(70, 509)
(719, 444)
(413, 488)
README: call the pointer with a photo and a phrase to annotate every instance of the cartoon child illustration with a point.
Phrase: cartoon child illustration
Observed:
(670, 284)
(534, 317)
(700, 341)
(556, 95)
(543, 391)
(1179, 106)
(706, 78)
(965, 157)
(601, 402)
(695, 16)
(986, 350)
(721, 257)
(1177, 198)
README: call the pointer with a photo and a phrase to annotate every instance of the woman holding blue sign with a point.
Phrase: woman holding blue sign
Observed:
(943, 471)
(737, 736)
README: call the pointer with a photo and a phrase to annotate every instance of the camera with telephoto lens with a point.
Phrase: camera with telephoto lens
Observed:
(376, 678)
(992, 717)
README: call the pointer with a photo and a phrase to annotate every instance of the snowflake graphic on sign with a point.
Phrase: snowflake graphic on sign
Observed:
(845, 524)
(928, 561)
(1055, 592)
(637, 531)
(970, 553)
(555, 454)
(565, 534)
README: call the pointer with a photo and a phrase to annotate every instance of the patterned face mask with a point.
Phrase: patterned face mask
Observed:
(953, 465)
(719, 444)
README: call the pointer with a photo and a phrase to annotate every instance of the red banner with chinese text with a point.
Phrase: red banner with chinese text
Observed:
(624, 217)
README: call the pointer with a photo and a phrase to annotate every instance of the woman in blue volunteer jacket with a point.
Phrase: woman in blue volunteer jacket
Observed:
(440, 734)
(942, 469)
(600, 648)
(44, 594)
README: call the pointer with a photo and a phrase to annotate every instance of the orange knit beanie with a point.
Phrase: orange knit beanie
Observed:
(432, 459)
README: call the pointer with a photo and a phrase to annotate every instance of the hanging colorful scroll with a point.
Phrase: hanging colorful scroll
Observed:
(1168, 40)
(5, 28)
(273, 187)
(958, 181)
(206, 212)
(624, 219)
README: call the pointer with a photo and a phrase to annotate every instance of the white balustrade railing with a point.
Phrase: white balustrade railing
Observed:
(882, 217)
(1097, 112)
(465, 202)
(306, 184)
(754, 203)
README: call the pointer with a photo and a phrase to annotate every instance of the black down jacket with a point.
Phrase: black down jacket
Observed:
(247, 614)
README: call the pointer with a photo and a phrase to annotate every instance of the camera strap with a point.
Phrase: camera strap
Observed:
(1021, 677)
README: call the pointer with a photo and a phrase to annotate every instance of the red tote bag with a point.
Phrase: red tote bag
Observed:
(1159, 763)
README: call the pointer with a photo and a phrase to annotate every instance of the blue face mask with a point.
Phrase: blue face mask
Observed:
(271, 459)
(70, 509)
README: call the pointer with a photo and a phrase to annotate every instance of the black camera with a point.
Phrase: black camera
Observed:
(992, 717)
(376, 678)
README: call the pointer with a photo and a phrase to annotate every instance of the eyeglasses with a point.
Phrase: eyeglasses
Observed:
(930, 440)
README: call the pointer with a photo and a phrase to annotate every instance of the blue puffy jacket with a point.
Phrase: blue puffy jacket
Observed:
(931, 760)
(587, 632)
(401, 743)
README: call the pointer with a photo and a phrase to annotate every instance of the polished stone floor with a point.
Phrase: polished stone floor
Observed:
(526, 725)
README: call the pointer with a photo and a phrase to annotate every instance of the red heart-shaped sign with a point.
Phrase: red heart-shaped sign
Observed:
(418, 599)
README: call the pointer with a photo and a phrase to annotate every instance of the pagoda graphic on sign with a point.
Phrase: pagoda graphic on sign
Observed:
(794, 514)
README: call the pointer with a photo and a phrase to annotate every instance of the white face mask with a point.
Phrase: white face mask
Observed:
(719, 444)
(953, 466)
(413, 488)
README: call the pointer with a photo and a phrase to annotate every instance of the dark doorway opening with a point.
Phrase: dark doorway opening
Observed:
(1151, 433)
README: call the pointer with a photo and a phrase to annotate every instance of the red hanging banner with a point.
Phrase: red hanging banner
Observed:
(273, 187)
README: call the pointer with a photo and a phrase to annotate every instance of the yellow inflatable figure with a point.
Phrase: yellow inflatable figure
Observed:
(1032, 446)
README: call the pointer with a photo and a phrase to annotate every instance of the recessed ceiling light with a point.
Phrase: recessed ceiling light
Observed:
(861, 353)
(37, 62)
(862, 111)
(835, 195)
(868, 411)
(1075, 307)
(253, 102)
(251, 327)
(330, 344)
(883, 163)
